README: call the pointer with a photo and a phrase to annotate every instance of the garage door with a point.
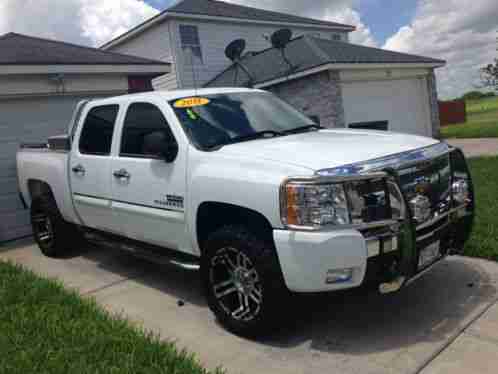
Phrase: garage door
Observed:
(398, 105)
(25, 120)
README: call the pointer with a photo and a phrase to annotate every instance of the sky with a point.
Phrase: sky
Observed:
(462, 32)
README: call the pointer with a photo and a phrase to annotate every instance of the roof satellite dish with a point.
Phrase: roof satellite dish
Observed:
(281, 38)
(235, 49)
(234, 53)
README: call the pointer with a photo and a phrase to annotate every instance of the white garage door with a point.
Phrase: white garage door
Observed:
(403, 104)
(25, 120)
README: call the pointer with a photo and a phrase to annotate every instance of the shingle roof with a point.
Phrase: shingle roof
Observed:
(17, 49)
(215, 8)
(308, 52)
(221, 9)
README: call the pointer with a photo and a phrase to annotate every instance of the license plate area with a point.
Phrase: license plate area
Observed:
(429, 255)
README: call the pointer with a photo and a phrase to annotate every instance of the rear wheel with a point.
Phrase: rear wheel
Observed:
(243, 281)
(52, 234)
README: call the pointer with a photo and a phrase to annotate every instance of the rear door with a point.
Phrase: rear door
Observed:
(90, 167)
(148, 192)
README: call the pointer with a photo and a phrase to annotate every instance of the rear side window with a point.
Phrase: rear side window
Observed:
(96, 136)
(143, 121)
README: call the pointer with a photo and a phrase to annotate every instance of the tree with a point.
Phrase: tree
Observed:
(489, 75)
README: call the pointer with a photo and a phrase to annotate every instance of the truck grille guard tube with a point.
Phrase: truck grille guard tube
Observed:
(428, 172)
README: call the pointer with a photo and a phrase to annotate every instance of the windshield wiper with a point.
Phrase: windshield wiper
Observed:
(254, 136)
(303, 129)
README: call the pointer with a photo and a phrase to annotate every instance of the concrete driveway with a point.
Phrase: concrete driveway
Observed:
(353, 332)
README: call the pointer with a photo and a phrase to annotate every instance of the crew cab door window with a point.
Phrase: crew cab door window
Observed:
(96, 135)
(90, 167)
(148, 192)
(143, 121)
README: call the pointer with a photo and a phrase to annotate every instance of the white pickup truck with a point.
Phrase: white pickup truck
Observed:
(261, 199)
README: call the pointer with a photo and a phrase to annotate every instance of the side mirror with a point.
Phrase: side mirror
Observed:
(159, 144)
(170, 151)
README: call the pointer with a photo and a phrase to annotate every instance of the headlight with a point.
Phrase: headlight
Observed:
(314, 205)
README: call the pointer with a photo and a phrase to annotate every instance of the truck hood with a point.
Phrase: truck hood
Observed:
(328, 148)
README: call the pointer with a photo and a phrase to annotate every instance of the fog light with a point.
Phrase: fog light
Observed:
(460, 191)
(339, 276)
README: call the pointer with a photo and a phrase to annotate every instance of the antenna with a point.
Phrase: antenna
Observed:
(279, 40)
(234, 52)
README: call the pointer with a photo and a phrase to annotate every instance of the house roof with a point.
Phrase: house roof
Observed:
(220, 9)
(17, 49)
(307, 53)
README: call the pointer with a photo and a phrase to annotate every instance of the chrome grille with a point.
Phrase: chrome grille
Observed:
(431, 179)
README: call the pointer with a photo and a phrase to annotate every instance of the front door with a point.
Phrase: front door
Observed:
(148, 192)
(90, 167)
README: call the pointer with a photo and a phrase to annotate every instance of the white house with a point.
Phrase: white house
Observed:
(345, 85)
(40, 83)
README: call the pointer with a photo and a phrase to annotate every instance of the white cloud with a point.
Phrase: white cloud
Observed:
(341, 11)
(462, 33)
(88, 22)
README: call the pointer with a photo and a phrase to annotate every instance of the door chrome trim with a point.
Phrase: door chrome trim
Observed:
(92, 201)
(147, 211)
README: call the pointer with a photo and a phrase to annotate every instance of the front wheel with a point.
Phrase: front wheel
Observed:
(243, 281)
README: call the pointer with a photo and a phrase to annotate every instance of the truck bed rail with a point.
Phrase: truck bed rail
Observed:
(33, 145)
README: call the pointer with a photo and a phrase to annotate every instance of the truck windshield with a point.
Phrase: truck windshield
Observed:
(215, 120)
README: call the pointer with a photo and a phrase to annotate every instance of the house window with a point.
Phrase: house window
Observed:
(191, 45)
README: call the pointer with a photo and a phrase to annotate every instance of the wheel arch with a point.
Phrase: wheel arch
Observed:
(37, 188)
(212, 215)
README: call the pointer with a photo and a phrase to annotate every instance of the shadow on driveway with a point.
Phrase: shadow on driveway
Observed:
(353, 322)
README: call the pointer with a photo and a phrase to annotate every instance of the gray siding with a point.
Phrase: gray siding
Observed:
(154, 44)
(317, 95)
(162, 42)
(214, 38)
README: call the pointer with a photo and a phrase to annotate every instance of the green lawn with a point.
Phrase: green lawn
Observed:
(484, 240)
(47, 329)
(482, 121)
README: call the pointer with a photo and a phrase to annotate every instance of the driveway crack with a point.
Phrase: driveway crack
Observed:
(450, 341)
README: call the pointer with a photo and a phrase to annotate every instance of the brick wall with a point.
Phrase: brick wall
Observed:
(316, 95)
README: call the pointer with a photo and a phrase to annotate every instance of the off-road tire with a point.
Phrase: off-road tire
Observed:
(264, 260)
(63, 235)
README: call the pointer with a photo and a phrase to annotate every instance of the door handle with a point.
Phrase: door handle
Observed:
(78, 169)
(122, 173)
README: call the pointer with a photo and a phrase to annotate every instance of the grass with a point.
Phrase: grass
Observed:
(47, 329)
(482, 121)
(484, 240)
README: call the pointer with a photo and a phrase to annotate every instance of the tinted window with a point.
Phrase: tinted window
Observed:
(143, 123)
(229, 116)
(96, 136)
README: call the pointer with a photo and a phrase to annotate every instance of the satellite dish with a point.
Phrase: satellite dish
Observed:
(235, 49)
(281, 38)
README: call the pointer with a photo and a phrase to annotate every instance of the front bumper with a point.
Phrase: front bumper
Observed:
(372, 256)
